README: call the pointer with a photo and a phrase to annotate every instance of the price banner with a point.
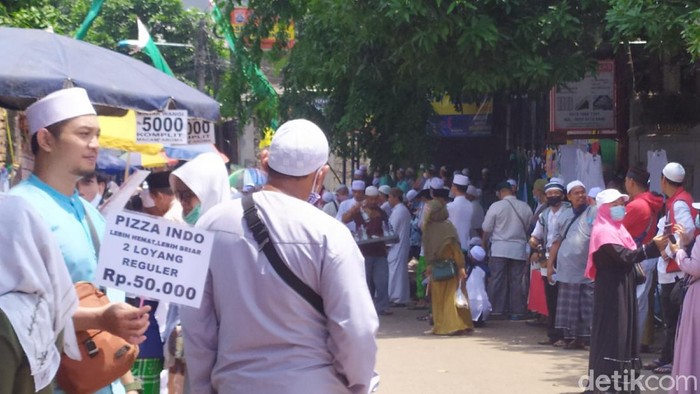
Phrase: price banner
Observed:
(154, 258)
(200, 131)
(167, 127)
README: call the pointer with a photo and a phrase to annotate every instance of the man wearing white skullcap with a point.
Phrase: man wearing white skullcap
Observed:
(384, 191)
(247, 306)
(331, 203)
(398, 256)
(358, 195)
(679, 210)
(460, 210)
(64, 140)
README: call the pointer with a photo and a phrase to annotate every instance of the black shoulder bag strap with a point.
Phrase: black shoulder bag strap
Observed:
(527, 236)
(262, 237)
(576, 216)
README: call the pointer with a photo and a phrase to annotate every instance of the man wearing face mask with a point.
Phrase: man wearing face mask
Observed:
(253, 332)
(541, 241)
(574, 313)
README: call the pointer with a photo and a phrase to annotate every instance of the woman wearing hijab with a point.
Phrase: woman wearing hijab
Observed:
(687, 347)
(611, 258)
(440, 242)
(199, 185)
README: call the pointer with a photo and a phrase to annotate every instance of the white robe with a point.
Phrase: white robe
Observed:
(460, 214)
(478, 298)
(400, 221)
(344, 207)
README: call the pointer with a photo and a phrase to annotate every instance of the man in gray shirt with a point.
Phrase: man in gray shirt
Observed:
(505, 225)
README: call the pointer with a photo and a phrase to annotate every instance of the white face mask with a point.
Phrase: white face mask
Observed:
(313, 194)
(96, 201)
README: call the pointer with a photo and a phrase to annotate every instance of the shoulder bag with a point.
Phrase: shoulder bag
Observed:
(262, 237)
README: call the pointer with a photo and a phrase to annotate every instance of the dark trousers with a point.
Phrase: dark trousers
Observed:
(551, 294)
(505, 287)
(670, 313)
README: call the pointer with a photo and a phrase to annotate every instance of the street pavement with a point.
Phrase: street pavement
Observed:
(502, 357)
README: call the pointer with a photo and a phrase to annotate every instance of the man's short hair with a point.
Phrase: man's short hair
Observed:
(672, 183)
(55, 129)
(396, 192)
(460, 188)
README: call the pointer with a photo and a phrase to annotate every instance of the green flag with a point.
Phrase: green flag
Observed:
(145, 44)
(89, 18)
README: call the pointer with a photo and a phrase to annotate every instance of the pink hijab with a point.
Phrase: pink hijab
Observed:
(606, 231)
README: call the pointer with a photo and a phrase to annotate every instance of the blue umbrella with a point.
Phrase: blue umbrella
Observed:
(35, 63)
(107, 161)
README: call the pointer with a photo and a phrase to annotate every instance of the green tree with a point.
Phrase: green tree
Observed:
(380, 63)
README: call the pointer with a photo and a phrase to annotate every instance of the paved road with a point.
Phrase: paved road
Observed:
(502, 357)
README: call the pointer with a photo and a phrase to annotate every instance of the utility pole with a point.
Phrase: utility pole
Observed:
(200, 55)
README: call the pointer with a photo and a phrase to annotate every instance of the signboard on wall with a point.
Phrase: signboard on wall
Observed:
(588, 104)
(465, 120)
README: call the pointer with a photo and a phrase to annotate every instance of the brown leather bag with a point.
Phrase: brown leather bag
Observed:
(105, 357)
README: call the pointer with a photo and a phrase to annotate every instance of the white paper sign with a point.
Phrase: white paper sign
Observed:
(200, 131)
(167, 127)
(154, 258)
(588, 104)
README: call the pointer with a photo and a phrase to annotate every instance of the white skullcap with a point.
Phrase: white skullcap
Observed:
(512, 182)
(556, 180)
(385, 189)
(478, 253)
(461, 180)
(696, 205)
(146, 199)
(609, 195)
(359, 173)
(60, 105)
(298, 148)
(371, 191)
(437, 183)
(363, 168)
(327, 196)
(574, 184)
(472, 191)
(340, 187)
(474, 241)
(358, 185)
(593, 192)
(411, 194)
(674, 172)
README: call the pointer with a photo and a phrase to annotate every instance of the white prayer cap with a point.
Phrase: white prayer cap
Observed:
(327, 196)
(674, 172)
(574, 184)
(146, 199)
(512, 182)
(437, 183)
(593, 192)
(696, 205)
(478, 253)
(385, 189)
(363, 168)
(411, 194)
(461, 180)
(609, 195)
(472, 191)
(298, 148)
(474, 241)
(60, 105)
(358, 185)
(371, 191)
(340, 187)
(359, 173)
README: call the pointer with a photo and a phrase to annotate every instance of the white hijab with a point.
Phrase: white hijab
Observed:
(36, 292)
(207, 177)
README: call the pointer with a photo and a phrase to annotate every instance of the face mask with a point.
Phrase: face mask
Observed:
(617, 213)
(697, 221)
(193, 216)
(96, 201)
(313, 195)
(552, 201)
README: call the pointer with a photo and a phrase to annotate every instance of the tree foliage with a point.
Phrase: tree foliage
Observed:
(379, 63)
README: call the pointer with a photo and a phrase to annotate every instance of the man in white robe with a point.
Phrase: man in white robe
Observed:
(400, 221)
(253, 333)
(358, 195)
(460, 210)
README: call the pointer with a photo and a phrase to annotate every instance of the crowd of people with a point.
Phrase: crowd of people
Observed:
(281, 310)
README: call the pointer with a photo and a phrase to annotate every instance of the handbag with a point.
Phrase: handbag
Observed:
(639, 276)
(442, 270)
(104, 356)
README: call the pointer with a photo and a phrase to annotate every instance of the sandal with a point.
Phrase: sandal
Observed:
(560, 343)
(664, 369)
(424, 317)
(652, 365)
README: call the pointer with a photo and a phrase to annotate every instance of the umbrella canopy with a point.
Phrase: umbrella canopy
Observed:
(145, 160)
(35, 63)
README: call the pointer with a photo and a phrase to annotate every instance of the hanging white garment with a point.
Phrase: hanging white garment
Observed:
(567, 162)
(589, 170)
(656, 161)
